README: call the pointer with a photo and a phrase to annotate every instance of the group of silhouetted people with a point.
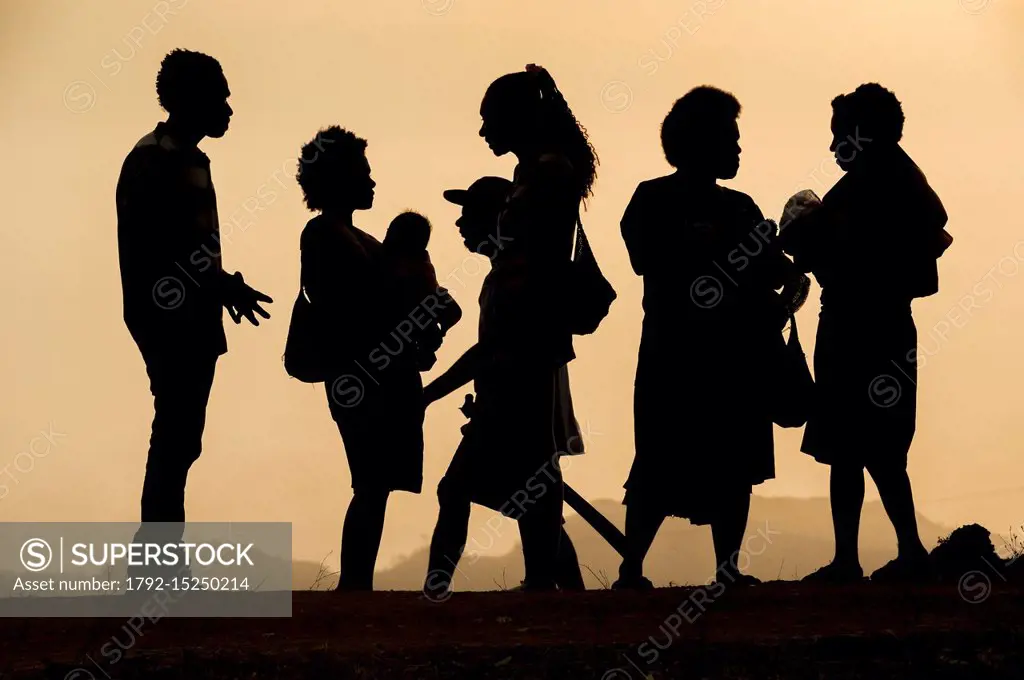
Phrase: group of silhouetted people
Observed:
(720, 284)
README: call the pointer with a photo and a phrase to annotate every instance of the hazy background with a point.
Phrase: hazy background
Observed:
(78, 83)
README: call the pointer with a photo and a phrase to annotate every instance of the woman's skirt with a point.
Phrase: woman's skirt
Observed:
(521, 423)
(702, 428)
(865, 374)
(380, 417)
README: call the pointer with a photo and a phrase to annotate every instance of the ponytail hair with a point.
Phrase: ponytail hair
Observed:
(564, 129)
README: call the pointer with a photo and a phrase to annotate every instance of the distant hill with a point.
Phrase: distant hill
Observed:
(786, 539)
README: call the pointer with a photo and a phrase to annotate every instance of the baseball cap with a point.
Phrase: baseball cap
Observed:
(486, 192)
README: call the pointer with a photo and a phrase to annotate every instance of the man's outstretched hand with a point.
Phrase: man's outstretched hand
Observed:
(242, 300)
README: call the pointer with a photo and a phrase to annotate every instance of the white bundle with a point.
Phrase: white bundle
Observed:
(798, 204)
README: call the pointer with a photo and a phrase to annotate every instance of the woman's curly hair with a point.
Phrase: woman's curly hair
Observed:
(568, 130)
(332, 154)
(694, 117)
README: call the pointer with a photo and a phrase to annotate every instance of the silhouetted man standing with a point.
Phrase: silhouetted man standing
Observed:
(172, 280)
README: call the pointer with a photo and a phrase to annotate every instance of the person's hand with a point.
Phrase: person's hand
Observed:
(468, 406)
(794, 236)
(242, 300)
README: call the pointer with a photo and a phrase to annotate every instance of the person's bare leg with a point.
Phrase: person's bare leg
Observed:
(540, 531)
(447, 544)
(642, 524)
(846, 488)
(898, 500)
(727, 535)
(568, 574)
(360, 539)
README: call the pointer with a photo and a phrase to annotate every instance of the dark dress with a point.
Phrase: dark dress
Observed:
(375, 398)
(872, 246)
(711, 330)
(522, 417)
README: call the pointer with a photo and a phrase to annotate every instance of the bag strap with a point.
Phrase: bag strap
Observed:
(302, 273)
(302, 283)
(577, 235)
(793, 335)
(581, 247)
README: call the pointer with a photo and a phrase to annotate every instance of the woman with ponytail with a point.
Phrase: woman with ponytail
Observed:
(522, 419)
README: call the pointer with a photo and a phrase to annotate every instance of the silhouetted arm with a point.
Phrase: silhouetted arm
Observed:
(161, 232)
(783, 273)
(769, 269)
(157, 231)
(805, 238)
(923, 220)
(315, 280)
(460, 373)
(334, 279)
(450, 313)
(771, 265)
(242, 300)
(634, 226)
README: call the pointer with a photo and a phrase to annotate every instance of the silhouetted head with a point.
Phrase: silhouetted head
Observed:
(525, 112)
(334, 173)
(481, 203)
(191, 87)
(408, 233)
(868, 119)
(700, 134)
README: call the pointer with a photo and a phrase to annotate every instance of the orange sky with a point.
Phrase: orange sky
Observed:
(408, 76)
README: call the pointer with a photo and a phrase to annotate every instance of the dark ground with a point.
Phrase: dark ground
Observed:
(777, 630)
